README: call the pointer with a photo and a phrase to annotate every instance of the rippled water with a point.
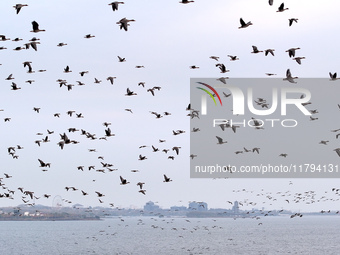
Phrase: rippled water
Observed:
(142, 235)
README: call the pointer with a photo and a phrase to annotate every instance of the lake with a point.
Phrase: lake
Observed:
(145, 235)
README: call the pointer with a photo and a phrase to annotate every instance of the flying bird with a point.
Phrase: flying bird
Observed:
(111, 79)
(244, 25)
(271, 51)
(255, 50)
(115, 5)
(291, 52)
(120, 59)
(130, 93)
(67, 69)
(3, 38)
(222, 67)
(282, 8)
(298, 59)
(18, 7)
(289, 77)
(43, 164)
(166, 179)
(332, 76)
(108, 132)
(292, 20)
(83, 72)
(233, 58)
(14, 86)
(186, 1)
(140, 184)
(88, 36)
(123, 23)
(142, 191)
(220, 140)
(10, 77)
(123, 181)
(36, 29)
(214, 57)
(28, 64)
(142, 157)
(176, 149)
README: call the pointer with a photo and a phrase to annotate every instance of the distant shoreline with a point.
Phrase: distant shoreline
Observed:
(44, 218)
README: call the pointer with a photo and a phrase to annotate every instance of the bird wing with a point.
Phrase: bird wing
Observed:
(124, 25)
(242, 22)
(108, 132)
(18, 8)
(291, 53)
(338, 151)
(114, 6)
(281, 7)
(34, 46)
(35, 25)
(41, 163)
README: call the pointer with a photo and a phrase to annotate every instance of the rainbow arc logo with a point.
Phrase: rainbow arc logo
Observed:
(209, 93)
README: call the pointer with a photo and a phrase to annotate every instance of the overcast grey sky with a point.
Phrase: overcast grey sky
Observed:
(166, 38)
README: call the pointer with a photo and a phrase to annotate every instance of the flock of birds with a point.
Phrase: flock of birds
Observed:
(67, 138)
(260, 101)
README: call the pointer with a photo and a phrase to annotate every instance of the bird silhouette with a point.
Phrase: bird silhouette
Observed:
(115, 5)
(244, 25)
(18, 7)
(35, 27)
(166, 179)
(123, 181)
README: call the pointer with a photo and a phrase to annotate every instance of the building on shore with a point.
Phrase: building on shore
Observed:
(150, 206)
(198, 206)
(235, 208)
